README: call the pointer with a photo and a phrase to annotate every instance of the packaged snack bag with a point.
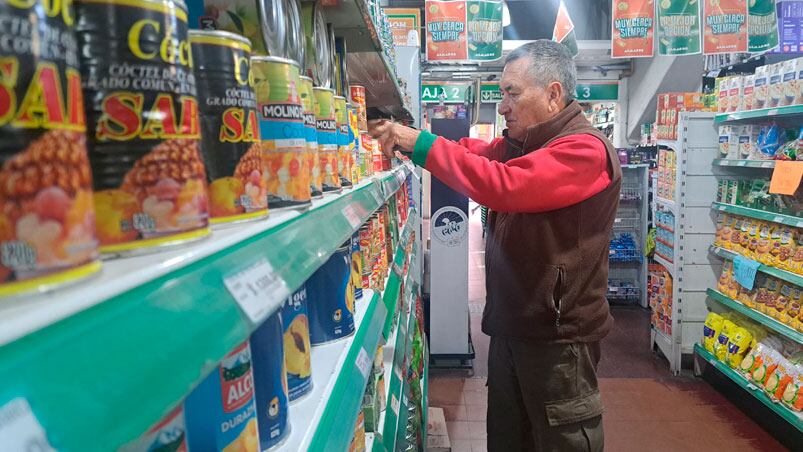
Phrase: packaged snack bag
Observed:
(711, 330)
(793, 393)
(752, 360)
(748, 92)
(773, 287)
(766, 367)
(738, 344)
(761, 92)
(783, 247)
(725, 276)
(778, 310)
(721, 344)
(736, 236)
(747, 297)
(793, 310)
(753, 232)
(776, 84)
(727, 231)
(778, 379)
(764, 245)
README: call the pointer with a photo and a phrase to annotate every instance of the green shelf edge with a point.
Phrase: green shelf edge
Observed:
(739, 163)
(785, 413)
(345, 402)
(763, 319)
(107, 363)
(391, 294)
(396, 385)
(760, 114)
(773, 217)
(772, 271)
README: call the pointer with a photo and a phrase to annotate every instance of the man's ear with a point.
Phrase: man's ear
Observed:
(555, 97)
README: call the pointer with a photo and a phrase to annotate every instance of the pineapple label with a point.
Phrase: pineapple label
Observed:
(144, 131)
(281, 128)
(326, 125)
(230, 128)
(47, 226)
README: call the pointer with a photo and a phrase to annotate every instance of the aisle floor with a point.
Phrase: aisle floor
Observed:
(646, 409)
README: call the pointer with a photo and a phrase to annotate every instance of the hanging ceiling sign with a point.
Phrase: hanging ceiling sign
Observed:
(762, 26)
(678, 27)
(597, 91)
(490, 93)
(448, 93)
(484, 22)
(405, 24)
(463, 30)
(632, 28)
(724, 26)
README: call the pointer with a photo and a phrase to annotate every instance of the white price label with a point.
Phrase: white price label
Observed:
(767, 164)
(378, 196)
(364, 363)
(352, 216)
(394, 404)
(772, 112)
(778, 219)
(397, 270)
(19, 429)
(742, 163)
(257, 289)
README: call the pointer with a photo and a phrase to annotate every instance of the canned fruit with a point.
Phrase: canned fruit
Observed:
(344, 145)
(308, 104)
(297, 355)
(331, 298)
(270, 379)
(327, 132)
(262, 22)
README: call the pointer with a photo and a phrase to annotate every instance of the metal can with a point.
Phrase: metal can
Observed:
(229, 127)
(261, 21)
(281, 129)
(318, 60)
(354, 139)
(270, 382)
(141, 106)
(314, 163)
(358, 100)
(331, 298)
(221, 412)
(358, 440)
(47, 235)
(376, 157)
(367, 154)
(297, 355)
(326, 125)
(343, 148)
(296, 46)
(356, 266)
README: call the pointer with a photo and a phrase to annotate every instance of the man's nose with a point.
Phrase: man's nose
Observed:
(503, 108)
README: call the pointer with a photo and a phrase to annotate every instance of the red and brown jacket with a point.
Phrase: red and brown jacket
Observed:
(553, 199)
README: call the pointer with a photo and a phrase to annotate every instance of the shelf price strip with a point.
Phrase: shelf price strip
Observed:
(258, 290)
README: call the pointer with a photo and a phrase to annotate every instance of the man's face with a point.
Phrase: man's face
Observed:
(526, 101)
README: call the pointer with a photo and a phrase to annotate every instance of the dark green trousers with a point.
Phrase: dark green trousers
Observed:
(543, 397)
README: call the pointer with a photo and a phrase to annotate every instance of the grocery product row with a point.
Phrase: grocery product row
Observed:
(759, 142)
(772, 85)
(135, 133)
(774, 245)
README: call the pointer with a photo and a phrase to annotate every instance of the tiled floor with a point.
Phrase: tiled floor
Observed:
(646, 409)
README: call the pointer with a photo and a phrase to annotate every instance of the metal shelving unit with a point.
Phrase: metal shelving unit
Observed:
(691, 267)
(627, 278)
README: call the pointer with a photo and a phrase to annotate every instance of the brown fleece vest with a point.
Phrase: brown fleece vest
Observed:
(547, 273)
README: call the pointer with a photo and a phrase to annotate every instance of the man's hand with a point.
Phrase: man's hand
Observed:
(392, 137)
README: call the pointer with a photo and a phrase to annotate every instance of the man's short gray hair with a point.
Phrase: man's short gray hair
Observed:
(550, 61)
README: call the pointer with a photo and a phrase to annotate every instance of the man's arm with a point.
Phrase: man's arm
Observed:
(568, 171)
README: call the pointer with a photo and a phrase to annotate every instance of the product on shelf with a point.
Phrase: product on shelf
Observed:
(667, 172)
(297, 356)
(343, 146)
(660, 298)
(149, 175)
(221, 412)
(47, 229)
(331, 298)
(326, 123)
(772, 244)
(358, 440)
(269, 383)
(282, 133)
(358, 99)
(356, 266)
(264, 23)
(772, 85)
(311, 135)
(169, 433)
(669, 106)
(229, 127)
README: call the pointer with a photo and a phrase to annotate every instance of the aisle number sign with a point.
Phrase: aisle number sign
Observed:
(448, 93)
(585, 92)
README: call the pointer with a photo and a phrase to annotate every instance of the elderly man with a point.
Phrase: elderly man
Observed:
(552, 185)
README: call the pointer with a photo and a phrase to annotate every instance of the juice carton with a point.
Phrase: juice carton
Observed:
(789, 80)
(734, 93)
(761, 94)
(722, 86)
(775, 72)
(748, 93)
(748, 137)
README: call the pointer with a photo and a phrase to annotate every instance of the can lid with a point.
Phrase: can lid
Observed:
(319, 88)
(296, 44)
(340, 98)
(273, 26)
(305, 78)
(219, 37)
(274, 59)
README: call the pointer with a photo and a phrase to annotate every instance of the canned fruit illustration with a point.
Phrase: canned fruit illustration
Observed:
(297, 354)
(282, 132)
(331, 298)
(221, 413)
(308, 104)
(270, 379)
(142, 111)
(47, 226)
(230, 129)
(344, 146)
(326, 125)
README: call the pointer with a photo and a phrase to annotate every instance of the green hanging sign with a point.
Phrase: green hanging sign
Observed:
(597, 91)
(490, 93)
(448, 93)
(484, 23)
(678, 27)
(762, 26)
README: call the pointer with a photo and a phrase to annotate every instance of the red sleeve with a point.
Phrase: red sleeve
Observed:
(568, 171)
(483, 148)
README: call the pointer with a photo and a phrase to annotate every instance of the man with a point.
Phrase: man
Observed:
(552, 185)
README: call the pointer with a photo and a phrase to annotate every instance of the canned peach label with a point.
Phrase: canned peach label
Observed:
(343, 147)
(47, 226)
(142, 110)
(281, 129)
(358, 100)
(678, 27)
(326, 125)
(446, 31)
(308, 103)
(633, 28)
(724, 26)
(230, 129)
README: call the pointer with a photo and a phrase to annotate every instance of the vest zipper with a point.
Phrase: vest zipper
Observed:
(557, 317)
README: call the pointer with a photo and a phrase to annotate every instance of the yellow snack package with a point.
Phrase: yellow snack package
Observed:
(738, 344)
(711, 330)
(721, 344)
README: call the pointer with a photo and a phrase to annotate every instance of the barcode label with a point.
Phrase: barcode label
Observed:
(257, 290)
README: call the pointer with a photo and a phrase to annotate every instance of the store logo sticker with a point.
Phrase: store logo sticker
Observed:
(19, 429)
(257, 290)
(450, 226)
(364, 363)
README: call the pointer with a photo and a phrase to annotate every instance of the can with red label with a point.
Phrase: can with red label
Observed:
(270, 381)
(47, 225)
(221, 412)
(358, 100)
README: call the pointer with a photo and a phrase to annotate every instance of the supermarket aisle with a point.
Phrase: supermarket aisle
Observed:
(645, 408)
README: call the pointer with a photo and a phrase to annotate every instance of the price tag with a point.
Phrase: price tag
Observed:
(396, 269)
(786, 177)
(778, 219)
(364, 363)
(742, 163)
(352, 216)
(257, 289)
(19, 429)
(744, 270)
(394, 404)
(772, 112)
(767, 164)
(378, 196)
